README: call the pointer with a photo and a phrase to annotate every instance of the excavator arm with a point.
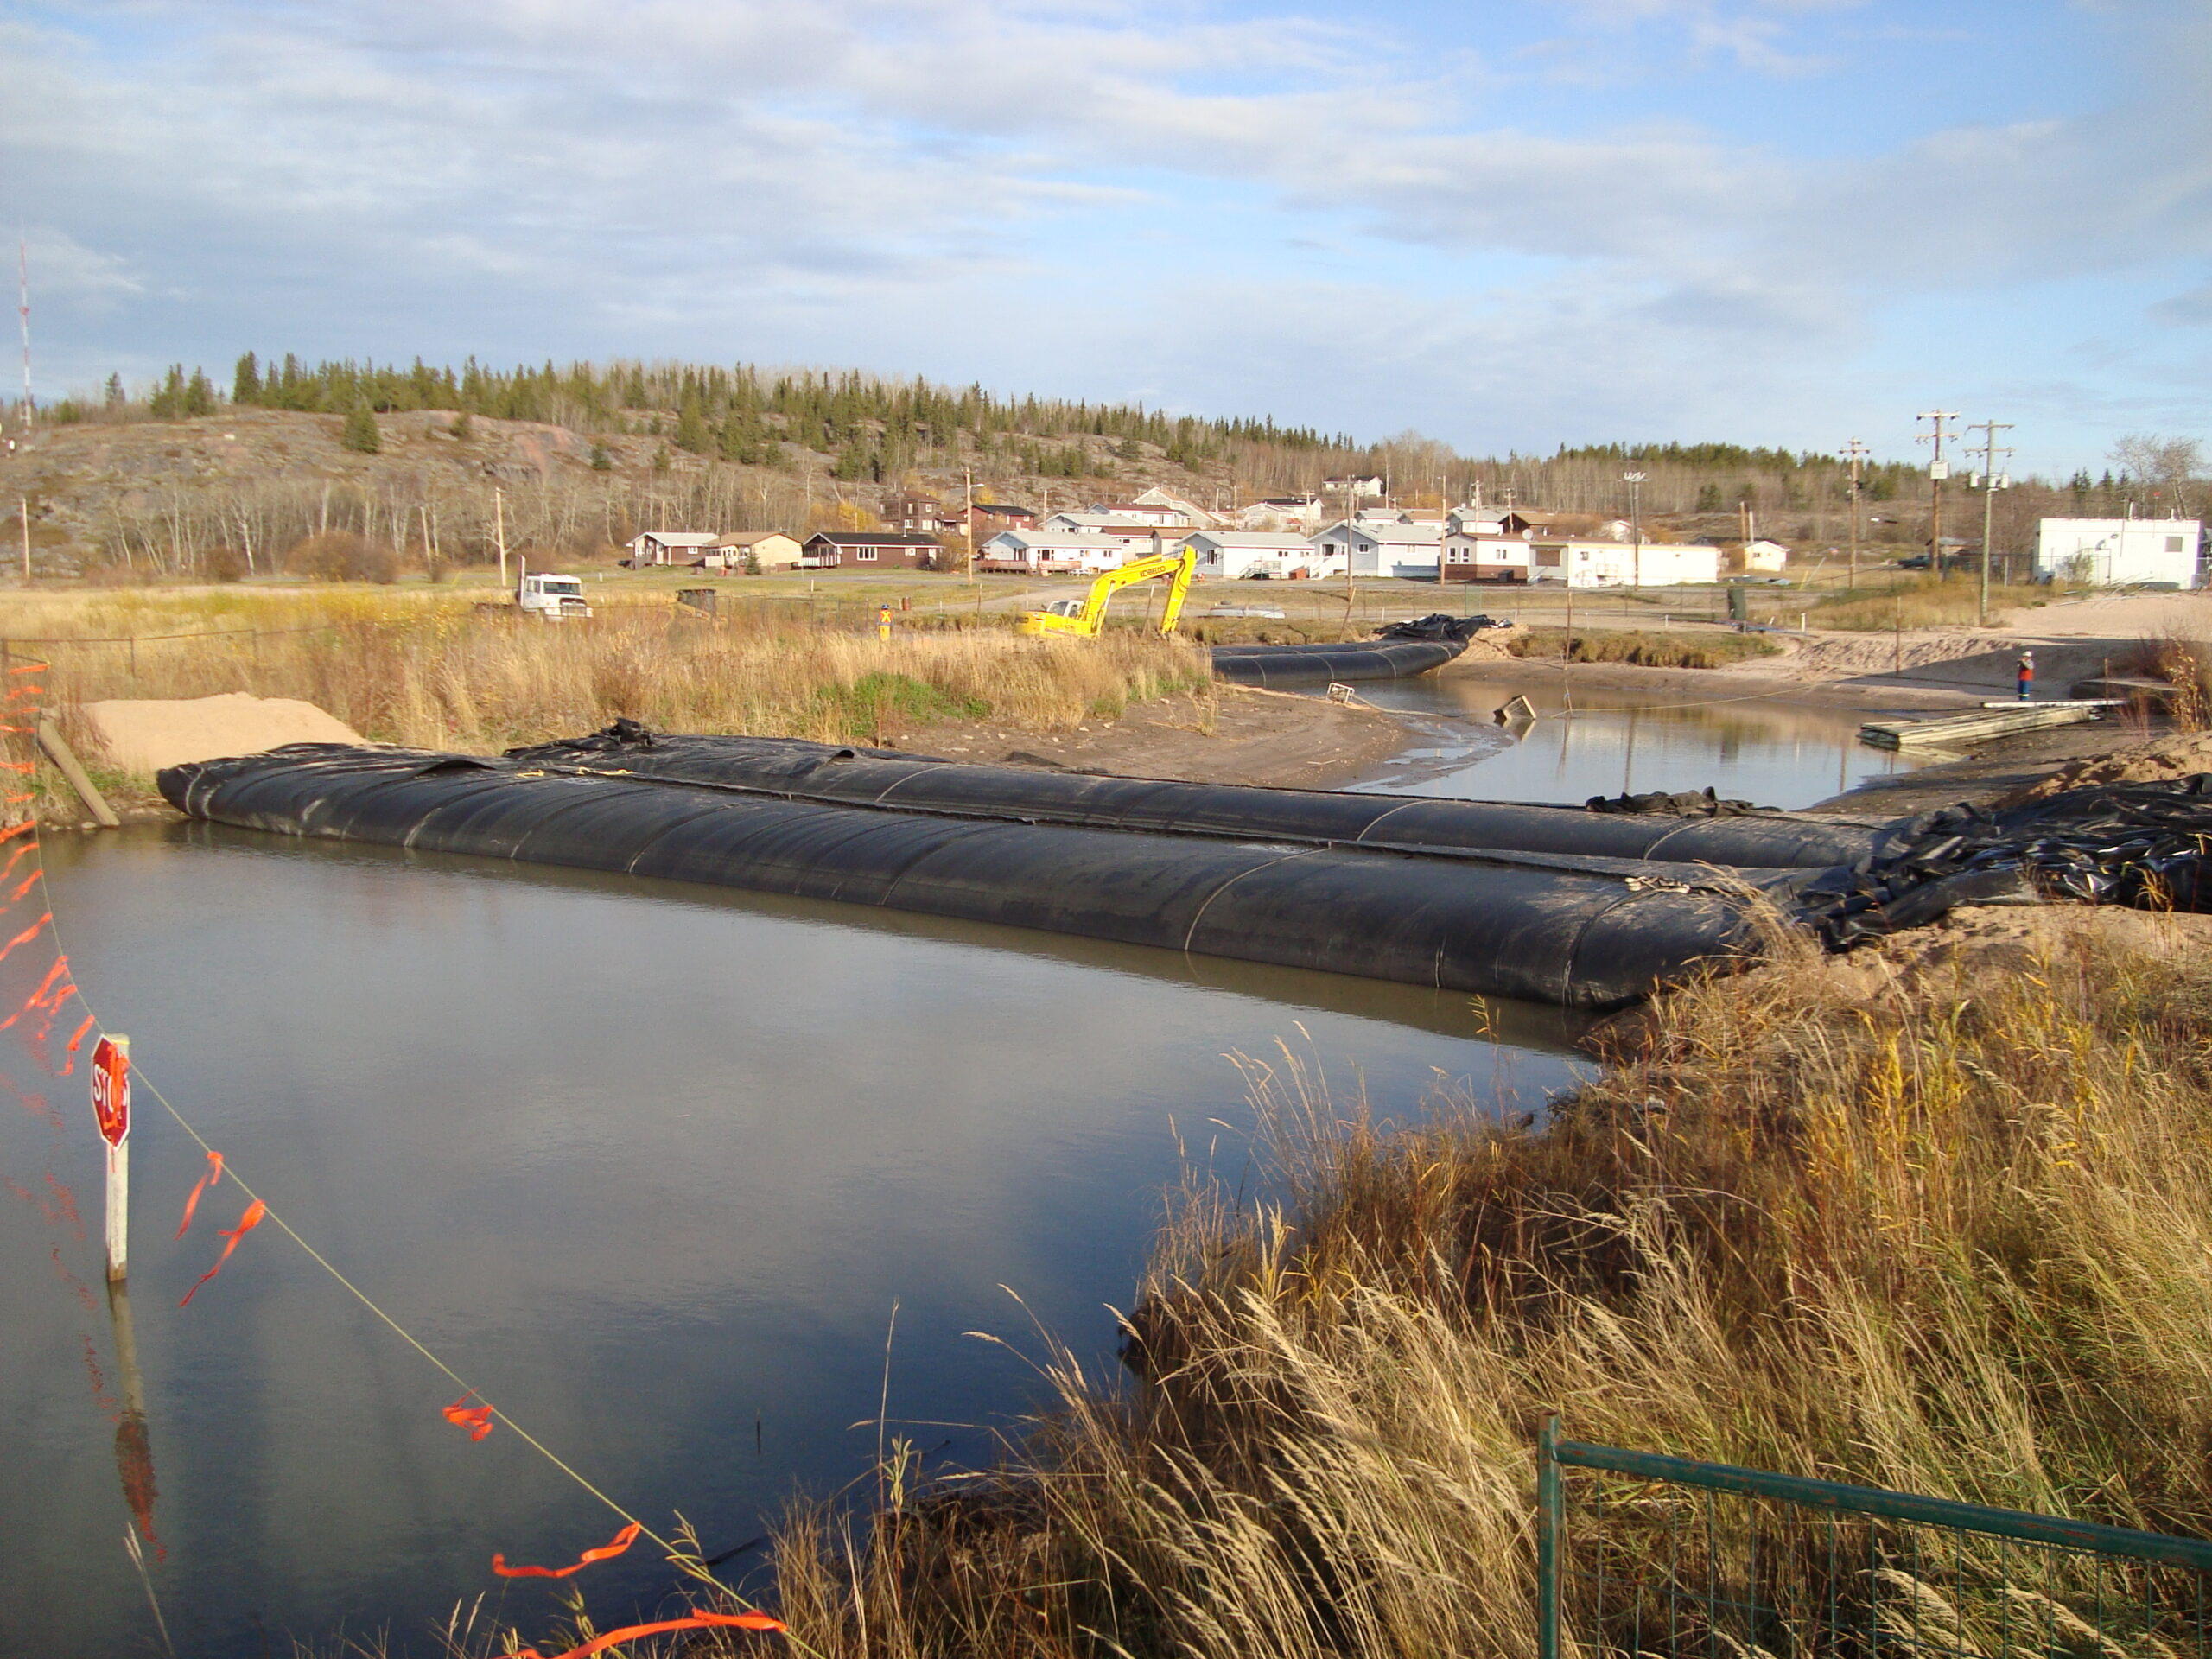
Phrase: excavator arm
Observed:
(1091, 618)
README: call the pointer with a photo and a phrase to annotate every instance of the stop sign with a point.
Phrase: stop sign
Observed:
(111, 1090)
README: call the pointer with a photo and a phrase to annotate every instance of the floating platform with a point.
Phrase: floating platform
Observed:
(1982, 725)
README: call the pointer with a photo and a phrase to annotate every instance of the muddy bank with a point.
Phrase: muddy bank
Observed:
(1227, 735)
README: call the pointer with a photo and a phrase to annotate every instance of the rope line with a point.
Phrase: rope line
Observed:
(688, 1563)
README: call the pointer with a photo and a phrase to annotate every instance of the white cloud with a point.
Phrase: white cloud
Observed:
(925, 183)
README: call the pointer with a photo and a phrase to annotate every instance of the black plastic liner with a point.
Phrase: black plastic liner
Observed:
(1591, 933)
(2140, 844)
(819, 772)
(1395, 659)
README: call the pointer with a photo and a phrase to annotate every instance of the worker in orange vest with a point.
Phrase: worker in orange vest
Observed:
(2027, 680)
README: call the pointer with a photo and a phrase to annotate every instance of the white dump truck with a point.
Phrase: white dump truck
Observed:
(551, 597)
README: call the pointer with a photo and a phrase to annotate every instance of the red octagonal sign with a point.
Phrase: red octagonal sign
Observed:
(112, 1091)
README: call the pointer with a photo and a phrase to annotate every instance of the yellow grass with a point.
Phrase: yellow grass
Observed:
(1957, 1240)
(432, 669)
(1924, 602)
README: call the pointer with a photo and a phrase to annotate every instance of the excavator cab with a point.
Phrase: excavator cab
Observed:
(1086, 617)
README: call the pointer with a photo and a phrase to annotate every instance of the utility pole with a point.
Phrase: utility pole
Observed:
(1938, 470)
(500, 532)
(968, 519)
(1635, 482)
(1856, 453)
(1991, 481)
(24, 506)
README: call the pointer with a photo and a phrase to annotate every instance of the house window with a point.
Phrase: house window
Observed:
(865, 554)
(2173, 543)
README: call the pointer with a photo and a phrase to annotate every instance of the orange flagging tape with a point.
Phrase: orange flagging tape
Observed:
(15, 858)
(23, 887)
(247, 1223)
(40, 997)
(77, 1038)
(477, 1420)
(26, 767)
(27, 935)
(208, 1177)
(27, 826)
(29, 668)
(631, 1632)
(622, 1541)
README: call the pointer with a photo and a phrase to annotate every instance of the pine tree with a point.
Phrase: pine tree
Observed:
(361, 435)
(600, 461)
(116, 396)
(199, 395)
(691, 428)
(245, 380)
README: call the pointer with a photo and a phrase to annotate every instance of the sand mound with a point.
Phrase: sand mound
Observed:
(144, 735)
(2182, 755)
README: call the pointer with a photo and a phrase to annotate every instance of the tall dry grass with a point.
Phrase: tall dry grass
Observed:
(1951, 1237)
(1926, 601)
(440, 672)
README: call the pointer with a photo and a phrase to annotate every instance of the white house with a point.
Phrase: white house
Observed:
(1130, 532)
(1355, 486)
(671, 546)
(1764, 557)
(770, 548)
(1478, 552)
(1299, 512)
(2109, 552)
(1185, 511)
(1233, 555)
(1055, 552)
(1596, 564)
(1383, 550)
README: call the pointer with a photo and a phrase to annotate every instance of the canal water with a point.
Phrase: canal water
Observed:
(1614, 741)
(665, 1172)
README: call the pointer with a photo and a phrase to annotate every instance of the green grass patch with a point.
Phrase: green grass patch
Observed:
(1644, 649)
(879, 702)
(1924, 602)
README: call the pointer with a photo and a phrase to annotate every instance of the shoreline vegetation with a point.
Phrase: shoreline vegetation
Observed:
(1936, 1216)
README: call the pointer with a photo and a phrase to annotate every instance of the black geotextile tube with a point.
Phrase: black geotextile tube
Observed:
(1568, 938)
(822, 772)
(1388, 659)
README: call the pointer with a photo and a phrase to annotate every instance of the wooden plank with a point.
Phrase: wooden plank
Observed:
(1989, 722)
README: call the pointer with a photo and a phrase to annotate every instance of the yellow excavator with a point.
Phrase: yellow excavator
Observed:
(1085, 617)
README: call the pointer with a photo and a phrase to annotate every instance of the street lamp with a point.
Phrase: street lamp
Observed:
(1635, 482)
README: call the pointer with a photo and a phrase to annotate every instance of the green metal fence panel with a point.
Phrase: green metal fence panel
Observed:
(1645, 1555)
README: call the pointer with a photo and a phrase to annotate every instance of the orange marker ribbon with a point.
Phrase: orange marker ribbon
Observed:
(212, 1174)
(477, 1420)
(631, 1632)
(622, 1541)
(53, 991)
(27, 935)
(247, 1223)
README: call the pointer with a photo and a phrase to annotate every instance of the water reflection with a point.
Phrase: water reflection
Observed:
(648, 1164)
(1612, 742)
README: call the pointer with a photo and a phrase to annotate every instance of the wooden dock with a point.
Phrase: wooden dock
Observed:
(1990, 720)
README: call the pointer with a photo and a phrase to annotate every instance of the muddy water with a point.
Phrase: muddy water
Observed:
(1610, 743)
(650, 1165)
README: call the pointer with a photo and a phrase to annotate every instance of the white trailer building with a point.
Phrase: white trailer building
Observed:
(2113, 552)
(1617, 564)
(1383, 550)
(1232, 555)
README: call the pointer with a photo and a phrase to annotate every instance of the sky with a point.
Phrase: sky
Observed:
(1507, 225)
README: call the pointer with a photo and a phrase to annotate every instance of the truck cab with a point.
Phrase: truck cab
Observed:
(552, 597)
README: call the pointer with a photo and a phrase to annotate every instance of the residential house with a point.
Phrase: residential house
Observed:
(1383, 550)
(1604, 562)
(872, 550)
(988, 518)
(669, 546)
(918, 514)
(2111, 552)
(1477, 552)
(1187, 512)
(1054, 552)
(1355, 488)
(1234, 555)
(1132, 533)
(1762, 557)
(1299, 512)
(770, 550)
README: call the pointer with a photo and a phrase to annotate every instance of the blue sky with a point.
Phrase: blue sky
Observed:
(1506, 226)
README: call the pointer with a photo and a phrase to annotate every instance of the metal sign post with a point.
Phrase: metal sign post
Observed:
(111, 1108)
